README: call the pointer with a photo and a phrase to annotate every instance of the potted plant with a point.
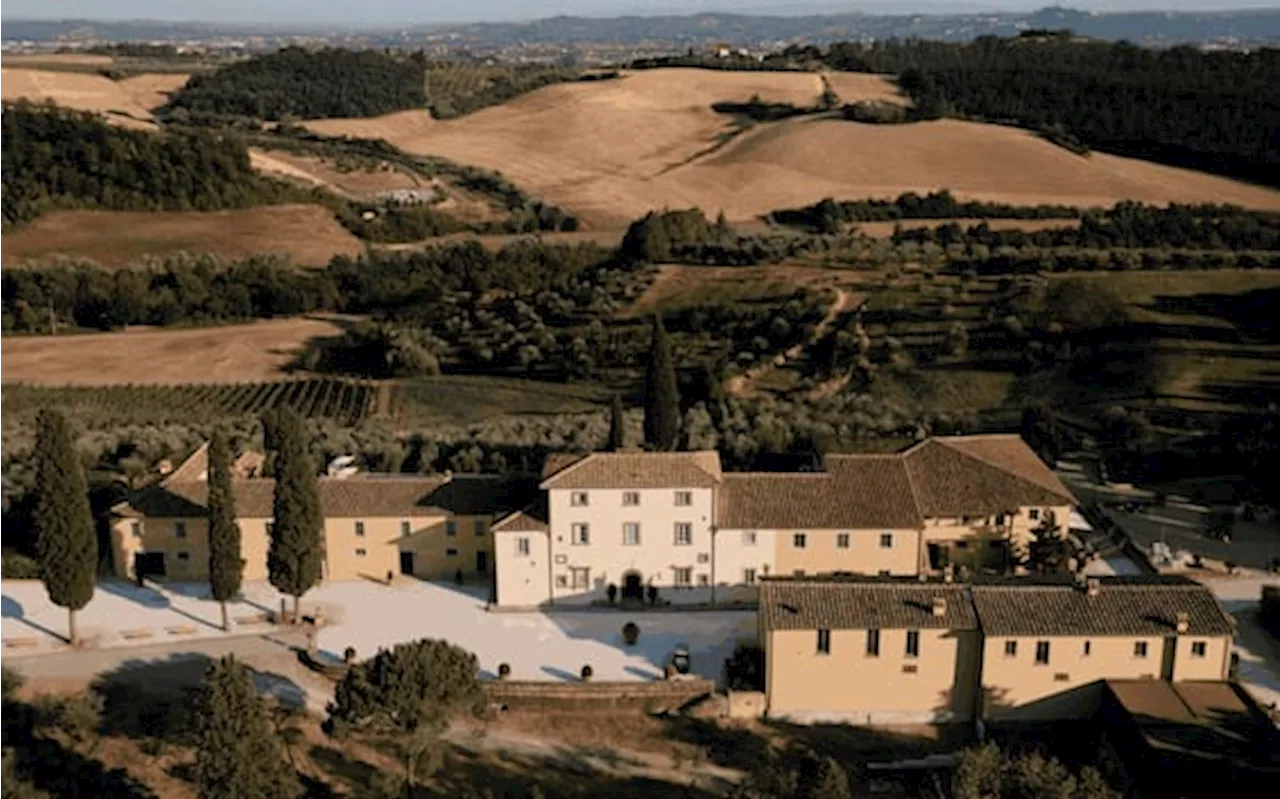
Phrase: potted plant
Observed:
(612, 593)
(504, 671)
(630, 632)
(587, 672)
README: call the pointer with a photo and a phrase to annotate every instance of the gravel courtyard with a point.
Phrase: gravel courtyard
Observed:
(367, 615)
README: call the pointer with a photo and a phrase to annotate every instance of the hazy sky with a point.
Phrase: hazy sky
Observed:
(407, 12)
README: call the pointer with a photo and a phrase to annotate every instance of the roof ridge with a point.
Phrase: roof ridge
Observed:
(987, 462)
(778, 474)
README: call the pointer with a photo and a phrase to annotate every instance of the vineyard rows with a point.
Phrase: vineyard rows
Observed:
(344, 401)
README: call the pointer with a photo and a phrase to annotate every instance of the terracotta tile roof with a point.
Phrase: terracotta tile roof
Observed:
(980, 476)
(634, 470)
(862, 492)
(557, 462)
(351, 497)
(862, 604)
(532, 518)
(1122, 606)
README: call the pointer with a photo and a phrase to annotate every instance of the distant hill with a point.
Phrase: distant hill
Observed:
(1250, 27)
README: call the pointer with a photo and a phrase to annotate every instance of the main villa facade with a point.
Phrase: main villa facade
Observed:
(637, 522)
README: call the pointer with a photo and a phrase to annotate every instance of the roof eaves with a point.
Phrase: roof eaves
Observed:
(551, 478)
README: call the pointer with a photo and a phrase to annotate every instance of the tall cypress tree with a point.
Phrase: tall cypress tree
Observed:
(296, 549)
(617, 425)
(66, 542)
(239, 754)
(661, 396)
(226, 566)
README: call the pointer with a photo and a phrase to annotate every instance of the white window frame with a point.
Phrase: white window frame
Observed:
(630, 499)
(579, 499)
(683, 534)
(684, 499)
(749, 576)
(523, 548)
(842, 540)
(628, 529)
(682, 576)
(580, 534)
(579, 571)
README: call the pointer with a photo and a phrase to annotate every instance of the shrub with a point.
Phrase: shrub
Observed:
(744, 669)
(587, 672)
(612, 593)
(630, 633)
(18, 567)
(504, 671)
(349, 655)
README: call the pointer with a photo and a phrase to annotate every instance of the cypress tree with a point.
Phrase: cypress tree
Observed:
(66, 542)
(296, 549)
(226, 566)
(617, 426)
(239, 754)
(661, 397)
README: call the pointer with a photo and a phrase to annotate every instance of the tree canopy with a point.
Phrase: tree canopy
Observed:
(296, 549)
(661, 395)
(226, 565)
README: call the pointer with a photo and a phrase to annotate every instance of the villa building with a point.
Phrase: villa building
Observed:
(889, 650)
(677, 523)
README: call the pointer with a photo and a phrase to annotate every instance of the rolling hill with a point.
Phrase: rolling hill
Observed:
(609, 151)
(126, 102)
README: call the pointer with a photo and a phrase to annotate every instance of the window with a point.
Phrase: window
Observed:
(999, 520)
(1198, 649)
(451, 528)
(480, 526)
(184, 556)
(1033, 514)
(842, 540)
(359, 529)
(631, 533)
(684, 498)
(883, 572)
(798, 573)
(873, 643)
(451, 553)
(522, 546)
(913, 643)
(581, 534)
(798, 540)
(562, 581)
(1042, 653)
(909, 668)
(886, 540)
(578, 499)
(824, 642)
(179, 529)
(683, 577)
(704, 580)
(749, 538)
(405, 528)
(749, 576)
(630, 498)
(1061, 677)
(1088, 648)
(137, 529)
(360, 553)
(581, 578)
(1011, 649)
(684, 533)
(1140, 649)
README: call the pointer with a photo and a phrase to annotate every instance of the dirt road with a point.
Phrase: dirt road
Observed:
(744, 385)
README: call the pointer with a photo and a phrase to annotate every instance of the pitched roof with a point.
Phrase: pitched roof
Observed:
(1123, 606)
(533, 518)
(350, 497)
(862, 604)
(980, 476)
(633, 470)
(854, 493)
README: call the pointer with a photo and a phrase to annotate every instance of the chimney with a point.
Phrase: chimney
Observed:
(1183, 622)
(939, 606)
(1092, 586)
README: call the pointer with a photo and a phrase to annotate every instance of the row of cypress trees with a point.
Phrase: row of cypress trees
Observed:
(67, 544)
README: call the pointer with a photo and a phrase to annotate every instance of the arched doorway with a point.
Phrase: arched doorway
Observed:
(632, 586)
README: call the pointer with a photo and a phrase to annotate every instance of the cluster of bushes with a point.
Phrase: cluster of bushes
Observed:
(658, 234)
(306, 84)
(828, 215)
(58, 158)
(453, 90)
(758, 110)
(393, 224)
(1206, 110)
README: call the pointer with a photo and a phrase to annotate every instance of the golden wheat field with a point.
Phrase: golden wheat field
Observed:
(307, 233)
(610, 151)
(127, 102)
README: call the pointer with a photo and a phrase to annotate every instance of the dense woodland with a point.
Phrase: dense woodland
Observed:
(305, 84)
(1216, 111)
(56, 158)
(828, 215)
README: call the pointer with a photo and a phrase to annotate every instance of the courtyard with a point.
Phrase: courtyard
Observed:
(368, 615)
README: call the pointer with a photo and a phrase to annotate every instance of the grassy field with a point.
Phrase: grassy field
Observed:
(127, 102)
(573, 145)
(1169, 297)
(462, 399)
(308, 234)
(676, 287)
(171, 356)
